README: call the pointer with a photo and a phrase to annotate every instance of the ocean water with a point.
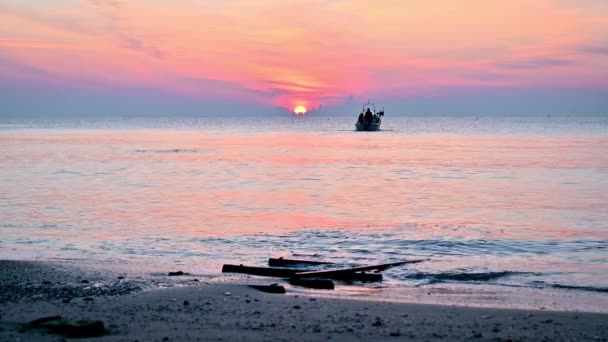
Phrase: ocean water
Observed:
(511, 202)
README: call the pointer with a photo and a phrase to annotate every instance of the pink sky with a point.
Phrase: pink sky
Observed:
(311, 52)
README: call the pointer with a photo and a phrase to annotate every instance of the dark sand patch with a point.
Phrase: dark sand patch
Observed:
(34, 281)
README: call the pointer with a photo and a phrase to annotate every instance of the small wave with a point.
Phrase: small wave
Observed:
(460, 276)
(176, 150)
(67, 172)
(579, 288)
(571, 287)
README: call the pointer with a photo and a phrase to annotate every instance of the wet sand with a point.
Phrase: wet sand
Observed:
(133, 309)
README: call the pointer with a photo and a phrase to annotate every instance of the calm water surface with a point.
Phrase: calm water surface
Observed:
(511, 202)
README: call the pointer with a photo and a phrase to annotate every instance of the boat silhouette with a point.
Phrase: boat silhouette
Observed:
(369, 119)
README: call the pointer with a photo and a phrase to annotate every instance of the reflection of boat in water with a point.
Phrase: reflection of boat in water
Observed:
(370, 119)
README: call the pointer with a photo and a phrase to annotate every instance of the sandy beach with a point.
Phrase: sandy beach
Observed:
(195, 310)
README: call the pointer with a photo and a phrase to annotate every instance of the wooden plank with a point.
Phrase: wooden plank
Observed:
(259, 271)
(280, 262)
(357, 276)
(289, 273)
(346, 271)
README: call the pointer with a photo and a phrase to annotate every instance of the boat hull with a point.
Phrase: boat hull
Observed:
(368, 127)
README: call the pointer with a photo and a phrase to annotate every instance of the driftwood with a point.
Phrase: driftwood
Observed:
(280, 262)
(291, 273)
(259, 271)
(345, 272)
(347, 277)
(274, 288)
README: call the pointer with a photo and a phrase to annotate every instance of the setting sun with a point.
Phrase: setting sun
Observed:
(299, 110)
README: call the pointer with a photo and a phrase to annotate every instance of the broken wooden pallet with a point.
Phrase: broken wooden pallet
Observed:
(345, 272)
(316, 278)
(280, 262)
(290, 273)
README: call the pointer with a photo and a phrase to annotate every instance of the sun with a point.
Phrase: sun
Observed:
(299, 110)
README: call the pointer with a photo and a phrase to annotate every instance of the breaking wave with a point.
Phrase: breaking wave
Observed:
(461, 276)
(573, 287)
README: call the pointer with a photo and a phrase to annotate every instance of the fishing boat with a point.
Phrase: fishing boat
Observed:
(369, 119)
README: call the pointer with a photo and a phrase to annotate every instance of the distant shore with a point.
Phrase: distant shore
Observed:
(201, 311)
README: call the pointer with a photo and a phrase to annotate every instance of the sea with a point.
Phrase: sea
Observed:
(494, 203)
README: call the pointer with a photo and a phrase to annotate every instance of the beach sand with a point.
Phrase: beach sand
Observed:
(132, 308)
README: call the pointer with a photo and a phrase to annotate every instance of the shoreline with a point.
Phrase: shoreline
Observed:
(133, 309)
(146, 276)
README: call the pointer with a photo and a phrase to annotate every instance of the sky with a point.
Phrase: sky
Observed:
(137, 57)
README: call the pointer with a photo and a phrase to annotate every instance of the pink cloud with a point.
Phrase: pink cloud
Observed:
(310, 51)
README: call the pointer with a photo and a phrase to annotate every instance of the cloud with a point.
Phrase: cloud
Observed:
(534, 63)
(138, 45)
(211, 88)
(595, 49)
(106, 3)
(57, 22)
(9, 66)
(14, 71)
(112, 11)
(317, 51)
(284, 87)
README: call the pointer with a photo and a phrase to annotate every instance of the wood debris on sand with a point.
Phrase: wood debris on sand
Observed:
(318, 279)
